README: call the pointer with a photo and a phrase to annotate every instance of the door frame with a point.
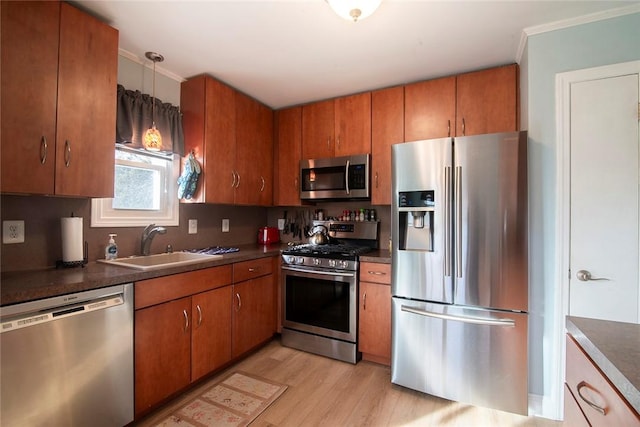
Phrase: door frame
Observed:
(563, 200)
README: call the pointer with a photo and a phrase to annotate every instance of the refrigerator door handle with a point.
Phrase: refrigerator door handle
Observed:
(465, 319)
(458, 220)
(447, 221)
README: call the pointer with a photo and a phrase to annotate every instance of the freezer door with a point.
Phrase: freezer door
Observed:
(468, 355)
(421, 225)
(490, 221)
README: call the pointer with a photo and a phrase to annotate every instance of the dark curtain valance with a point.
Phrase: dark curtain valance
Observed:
(135, 117)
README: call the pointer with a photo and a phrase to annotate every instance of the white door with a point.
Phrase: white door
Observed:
(604, 242)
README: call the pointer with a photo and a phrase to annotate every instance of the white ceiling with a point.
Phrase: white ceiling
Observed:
(289, 52)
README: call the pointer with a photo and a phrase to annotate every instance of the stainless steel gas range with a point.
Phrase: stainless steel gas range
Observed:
(320, 290)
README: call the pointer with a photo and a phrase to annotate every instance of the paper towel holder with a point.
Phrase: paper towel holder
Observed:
(72, 264)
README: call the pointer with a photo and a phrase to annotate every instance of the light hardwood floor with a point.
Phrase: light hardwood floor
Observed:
(326, 392)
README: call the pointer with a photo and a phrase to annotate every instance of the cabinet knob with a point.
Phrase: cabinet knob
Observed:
(43, 149)
(67, 153)
(186, 320)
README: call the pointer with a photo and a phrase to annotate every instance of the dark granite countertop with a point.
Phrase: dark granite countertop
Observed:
(615, 349)
(381, 256)
(22, 286)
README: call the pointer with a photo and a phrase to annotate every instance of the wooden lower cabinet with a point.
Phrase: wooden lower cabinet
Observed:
(211, 331)
(191, 324)
(374, 313)
(162, 352)
(254, 313)
(599, 401)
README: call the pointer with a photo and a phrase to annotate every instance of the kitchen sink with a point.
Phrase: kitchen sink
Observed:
(152, 262)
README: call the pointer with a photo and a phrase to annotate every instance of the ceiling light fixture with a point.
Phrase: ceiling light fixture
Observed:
(152, 140)
(354, 10)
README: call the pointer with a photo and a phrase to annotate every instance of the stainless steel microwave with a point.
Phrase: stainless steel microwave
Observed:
(346, 177)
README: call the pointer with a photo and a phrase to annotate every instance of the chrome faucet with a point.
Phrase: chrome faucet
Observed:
(147, 236)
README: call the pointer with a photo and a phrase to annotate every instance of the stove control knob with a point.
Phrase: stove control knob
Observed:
(288, 259)
(316, 261)
(332, 263)
(299, 260)
(344, 264)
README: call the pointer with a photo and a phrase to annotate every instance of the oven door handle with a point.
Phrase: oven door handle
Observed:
(321, 273)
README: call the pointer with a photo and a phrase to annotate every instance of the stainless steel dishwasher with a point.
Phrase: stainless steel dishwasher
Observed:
(68, 360)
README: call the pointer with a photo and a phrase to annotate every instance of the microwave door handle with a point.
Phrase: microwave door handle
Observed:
(346, 176)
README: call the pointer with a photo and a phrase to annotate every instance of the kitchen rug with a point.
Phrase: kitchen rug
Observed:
(235, 401)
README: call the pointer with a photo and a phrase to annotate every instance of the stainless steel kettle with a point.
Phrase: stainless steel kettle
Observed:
(319, 237)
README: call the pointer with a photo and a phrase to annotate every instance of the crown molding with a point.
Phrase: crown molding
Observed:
(572, 22)
(149, 64)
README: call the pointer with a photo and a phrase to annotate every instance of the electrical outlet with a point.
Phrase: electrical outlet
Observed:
(225, 225)
(281, 224)
(193, 226)
(12, 232)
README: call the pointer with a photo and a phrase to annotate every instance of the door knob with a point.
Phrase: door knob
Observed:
(585, 276)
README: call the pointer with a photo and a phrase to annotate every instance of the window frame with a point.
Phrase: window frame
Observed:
(103, 214)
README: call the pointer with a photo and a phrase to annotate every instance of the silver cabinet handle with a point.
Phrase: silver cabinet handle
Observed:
(186, 320)
(598, 408)
(464, 319)
(346, 176)
(463, 127)
(447, 220)
(329, 143)
(43, 149)
(376, 179)
(67, 153)
(458, 220)
(262, 188)
(338, 141)
(585, 276)
(364, 301)
(238, 183)
(448, 127)
(233, 179)
(253, 269)
(199, 314)
(239, 302)
(295, 183)
(377, 273)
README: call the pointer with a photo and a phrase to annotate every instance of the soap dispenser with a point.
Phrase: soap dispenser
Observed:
(111, 251)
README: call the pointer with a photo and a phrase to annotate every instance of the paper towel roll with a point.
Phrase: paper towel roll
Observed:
(72, 243)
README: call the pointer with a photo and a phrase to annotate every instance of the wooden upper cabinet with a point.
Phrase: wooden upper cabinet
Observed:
(337, 127)
(209, 126)
(318, 130)
(488, 101)
(231, 135)
(59, 78)
(430, 109)
(254, 152)
(387, 128)
(353, 125)
(288, 149)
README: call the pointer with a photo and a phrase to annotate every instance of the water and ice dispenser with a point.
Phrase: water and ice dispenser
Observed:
(416, 220)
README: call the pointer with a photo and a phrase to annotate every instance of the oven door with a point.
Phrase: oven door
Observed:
(320, 302)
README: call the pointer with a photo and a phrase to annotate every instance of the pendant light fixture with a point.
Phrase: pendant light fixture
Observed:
(152, 139)
(354, 10)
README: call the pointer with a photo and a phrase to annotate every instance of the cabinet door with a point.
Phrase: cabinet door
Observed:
(288, 153)
(353, 125)
(387, 128)
(430, 109)
(162, 346)
(254, 152)
(487, 101)
(29, 44)
(87, 80)
(374, 332)
(254, 313)
(211, 336)
(318, 130)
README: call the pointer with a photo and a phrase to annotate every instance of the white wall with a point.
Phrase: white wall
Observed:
(135, 76)
(605, 42)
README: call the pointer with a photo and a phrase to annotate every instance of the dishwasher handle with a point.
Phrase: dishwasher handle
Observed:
(56, 313)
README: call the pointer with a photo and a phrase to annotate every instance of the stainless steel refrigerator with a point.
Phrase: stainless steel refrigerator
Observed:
(459, 268)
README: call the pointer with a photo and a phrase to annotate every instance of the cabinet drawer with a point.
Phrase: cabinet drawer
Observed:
(161, 289)
(376, 273)
(254, 268)
(598, 399)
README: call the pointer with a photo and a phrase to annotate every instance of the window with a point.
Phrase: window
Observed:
(145, 191)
